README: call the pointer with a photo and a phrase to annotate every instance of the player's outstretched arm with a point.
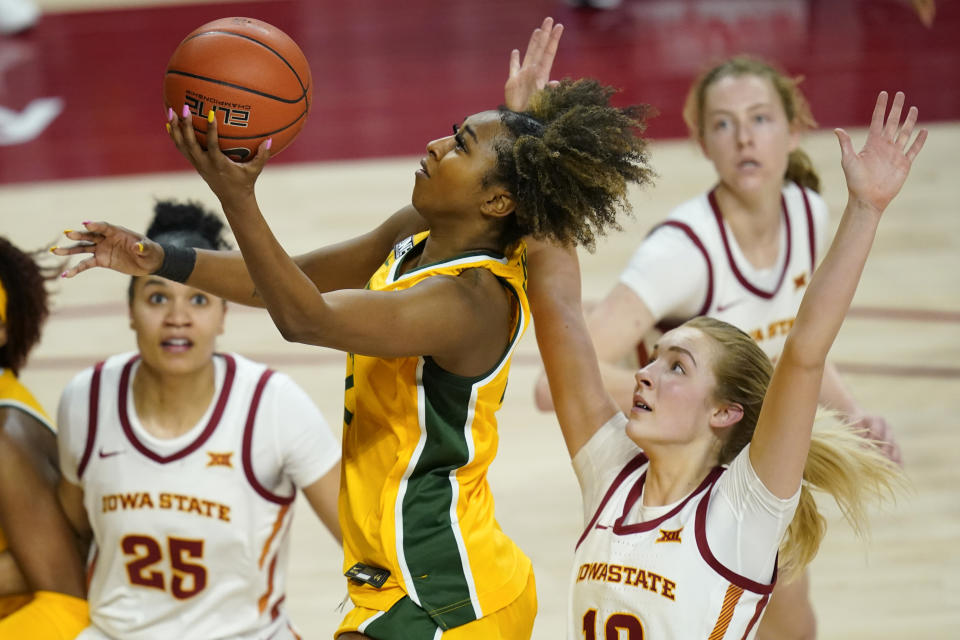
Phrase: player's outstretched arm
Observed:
(874, 176)
(343, 265)
(617, 325)
(581, 402)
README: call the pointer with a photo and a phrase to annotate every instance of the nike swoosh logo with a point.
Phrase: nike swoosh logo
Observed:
(110, 454)
(724, 307)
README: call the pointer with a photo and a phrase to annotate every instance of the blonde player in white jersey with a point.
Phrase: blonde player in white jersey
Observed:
(688, 500)
(182, 465)
(748, 248)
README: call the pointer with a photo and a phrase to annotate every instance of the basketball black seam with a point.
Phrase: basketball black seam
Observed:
(265, 46)
(224, 83)
(259, 135)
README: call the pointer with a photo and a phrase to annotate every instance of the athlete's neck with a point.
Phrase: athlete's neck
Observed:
(675, 471)
(754, 219)
(447, 241)
(169, 405)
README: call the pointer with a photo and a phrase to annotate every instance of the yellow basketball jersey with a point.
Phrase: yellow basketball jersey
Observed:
(417, 443)
(16, 396)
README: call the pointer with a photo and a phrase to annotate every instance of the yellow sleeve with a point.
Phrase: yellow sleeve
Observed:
(49, 616)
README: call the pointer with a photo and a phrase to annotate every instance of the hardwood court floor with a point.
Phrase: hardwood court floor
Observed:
(900, 348)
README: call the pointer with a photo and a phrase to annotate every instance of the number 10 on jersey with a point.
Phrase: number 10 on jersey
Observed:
(616, 623)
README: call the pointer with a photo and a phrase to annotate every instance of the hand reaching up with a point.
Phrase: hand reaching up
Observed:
(533, 74)
(876, 174)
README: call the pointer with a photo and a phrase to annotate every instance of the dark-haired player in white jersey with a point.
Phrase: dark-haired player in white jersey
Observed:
(182, 465)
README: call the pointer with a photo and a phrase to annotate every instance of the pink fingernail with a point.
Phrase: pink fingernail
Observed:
(170, 114)
(86, 222)
(269, 144)
(186, 111)
(63, 275)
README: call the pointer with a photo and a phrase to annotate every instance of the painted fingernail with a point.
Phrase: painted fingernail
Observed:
(210, 115)
(66, 231)
(269, 144)
(53, 249)
(86, 222)
(169, 114)
(63, 275)
(186, 111)
(168, 127)
(140, 247)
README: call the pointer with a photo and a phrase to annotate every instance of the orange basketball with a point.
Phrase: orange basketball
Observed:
(254, 76)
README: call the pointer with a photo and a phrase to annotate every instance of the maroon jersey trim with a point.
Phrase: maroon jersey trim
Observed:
(248, 446)
(811, 232)
(667, 325)
(700, 527)
(621, 529)
(639, 460)
(202, 438)
(761, 605)
(695, 239)
(766, 295)
(94, 408)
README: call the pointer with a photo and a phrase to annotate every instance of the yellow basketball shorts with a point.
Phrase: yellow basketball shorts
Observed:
(406, 621)
(49, 616)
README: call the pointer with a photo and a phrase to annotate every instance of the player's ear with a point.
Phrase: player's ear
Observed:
(498, 203)
(726, 415)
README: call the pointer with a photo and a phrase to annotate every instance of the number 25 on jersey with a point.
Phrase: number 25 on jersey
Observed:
(188, 578)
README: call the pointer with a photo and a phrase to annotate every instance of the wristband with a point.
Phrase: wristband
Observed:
(178, 262)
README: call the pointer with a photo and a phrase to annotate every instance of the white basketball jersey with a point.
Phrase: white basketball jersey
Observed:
(657, 579)
(767, 314)
(189, 544)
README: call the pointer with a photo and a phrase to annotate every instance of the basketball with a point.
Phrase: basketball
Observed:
(251, 73)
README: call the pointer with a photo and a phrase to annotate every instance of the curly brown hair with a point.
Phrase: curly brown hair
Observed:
(569, 162)
(24, 280)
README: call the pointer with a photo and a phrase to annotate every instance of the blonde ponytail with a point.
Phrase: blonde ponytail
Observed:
(849, 466)
(843, 461)
(800, 170)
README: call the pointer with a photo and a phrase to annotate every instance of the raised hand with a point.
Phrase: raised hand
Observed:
(230, 181)
(875, 175)
(112, 247)
(533, 74)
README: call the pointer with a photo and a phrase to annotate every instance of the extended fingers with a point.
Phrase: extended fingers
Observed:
(553, 43)
(876, 122)
(538, 39)
(186, 129)
(846, 144)
(514, 63)
(903, 136)
(80, 267)
(917, 145)
(213, 138)
(893, 119)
